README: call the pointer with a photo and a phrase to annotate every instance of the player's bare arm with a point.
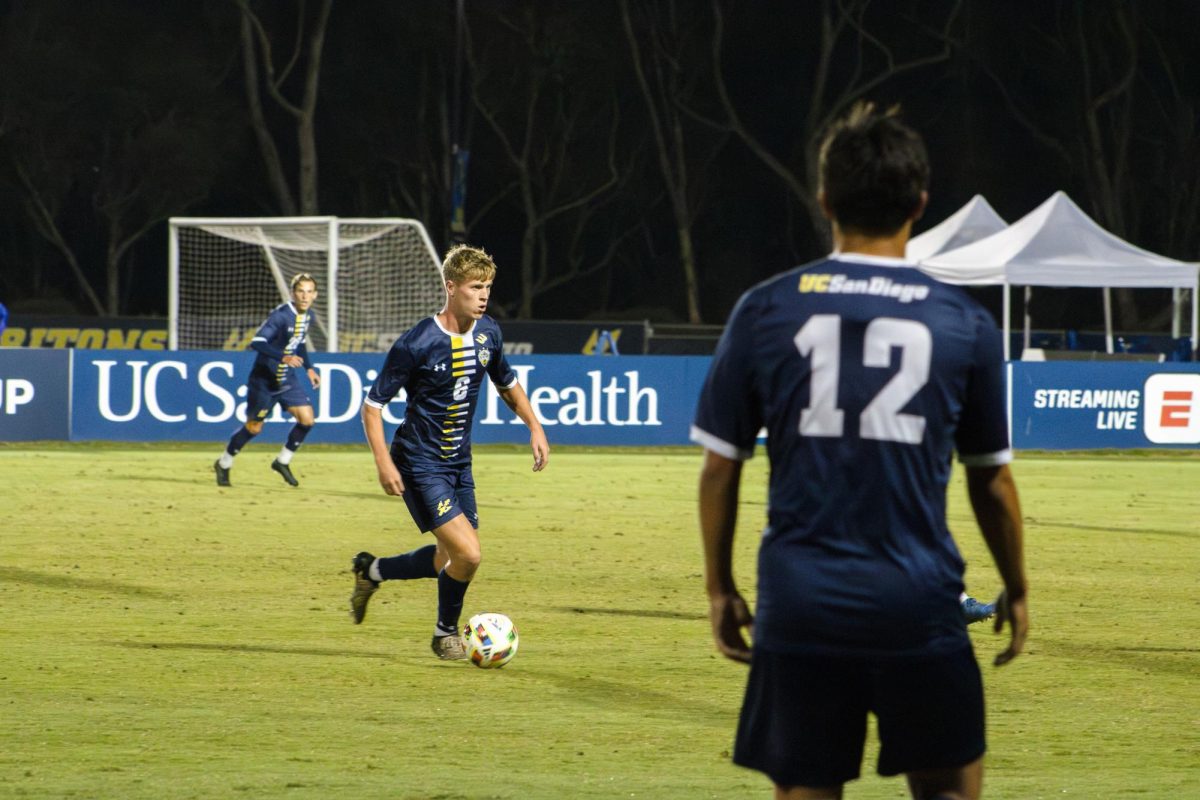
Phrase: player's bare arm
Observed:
(315, 378)
(728, 612)
(389, 476)
(993, 495)
(516, 399)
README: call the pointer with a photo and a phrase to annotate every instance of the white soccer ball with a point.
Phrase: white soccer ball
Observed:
(491, 640)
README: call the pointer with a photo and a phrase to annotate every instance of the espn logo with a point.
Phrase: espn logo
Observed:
(1172, 408)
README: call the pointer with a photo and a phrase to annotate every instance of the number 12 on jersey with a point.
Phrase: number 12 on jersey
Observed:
(820, 341)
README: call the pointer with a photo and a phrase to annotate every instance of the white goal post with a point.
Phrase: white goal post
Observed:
(375, 279)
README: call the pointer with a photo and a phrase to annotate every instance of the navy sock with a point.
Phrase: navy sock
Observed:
(239, 440)
(450, 602)
(296, 436)
(415, 564)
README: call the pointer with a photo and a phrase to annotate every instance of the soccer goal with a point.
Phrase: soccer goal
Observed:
(375, 279)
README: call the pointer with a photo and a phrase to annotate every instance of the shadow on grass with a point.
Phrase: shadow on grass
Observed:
(1144, 658)
(250, 648)
(1074, 526)
(59, 581)
(637, 695)
(632, 612)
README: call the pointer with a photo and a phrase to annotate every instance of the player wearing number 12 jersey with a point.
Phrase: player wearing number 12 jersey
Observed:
(440, 363)
(867, 375)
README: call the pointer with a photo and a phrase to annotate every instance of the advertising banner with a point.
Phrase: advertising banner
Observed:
(92, 333)
(200, 396)
(138, 395)
(1064, 405)
(574, 338)
(35, 396)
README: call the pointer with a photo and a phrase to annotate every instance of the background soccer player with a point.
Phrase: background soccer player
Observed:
(279, 343)
(867, 375)
(440, 362)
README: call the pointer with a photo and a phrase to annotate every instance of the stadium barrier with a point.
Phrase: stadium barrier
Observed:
(1088, 405)
(199, 396)
(142, 396)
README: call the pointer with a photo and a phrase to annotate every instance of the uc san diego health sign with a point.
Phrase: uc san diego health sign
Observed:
(200, 396)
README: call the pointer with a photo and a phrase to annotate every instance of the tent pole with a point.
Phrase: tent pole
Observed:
(1108, 330)
(1005, 326)
(1176, 312)
(1195, 312)
(1028, 319)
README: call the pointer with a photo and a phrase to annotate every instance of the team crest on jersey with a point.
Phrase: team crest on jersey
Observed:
(485, 356)
(443, 506)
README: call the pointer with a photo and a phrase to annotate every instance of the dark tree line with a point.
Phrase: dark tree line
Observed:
(633, 158)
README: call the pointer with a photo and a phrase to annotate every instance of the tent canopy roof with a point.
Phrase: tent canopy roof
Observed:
(1057, 244)
(970, 223)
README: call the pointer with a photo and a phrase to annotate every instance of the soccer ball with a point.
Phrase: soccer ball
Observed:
(491, 640)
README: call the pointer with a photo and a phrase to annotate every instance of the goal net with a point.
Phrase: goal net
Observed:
(375, 279)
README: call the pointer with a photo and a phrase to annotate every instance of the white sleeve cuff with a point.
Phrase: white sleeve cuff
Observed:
(719, 446)
(373, 404)
(997, 459)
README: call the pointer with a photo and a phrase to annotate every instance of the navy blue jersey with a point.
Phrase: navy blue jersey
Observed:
(867, 375)
(441, 372)
(283, 334)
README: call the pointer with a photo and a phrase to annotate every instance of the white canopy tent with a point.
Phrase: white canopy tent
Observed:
(1057, 244)
(970, 223)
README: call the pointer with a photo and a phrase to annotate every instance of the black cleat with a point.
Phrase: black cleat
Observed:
(222, 474)
(364, 587)
(286, 472)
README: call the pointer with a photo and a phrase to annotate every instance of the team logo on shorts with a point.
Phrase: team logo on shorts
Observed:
(443, 506)
(485, 356)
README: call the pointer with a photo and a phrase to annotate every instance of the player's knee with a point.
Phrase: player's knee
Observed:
(254, 426)
(470, 558)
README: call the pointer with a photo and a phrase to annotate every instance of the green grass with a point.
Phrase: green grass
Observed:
(158, 639)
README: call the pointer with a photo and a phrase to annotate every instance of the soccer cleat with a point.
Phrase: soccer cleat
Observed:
(364, 587)
(222, 474)
(975, 611)
(449, 648)
(285, 471)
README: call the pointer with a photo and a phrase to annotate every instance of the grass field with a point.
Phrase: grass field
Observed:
(163, 638)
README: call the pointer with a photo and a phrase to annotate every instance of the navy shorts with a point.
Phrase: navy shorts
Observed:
(804, 719)
(436, 496)
(263, 394)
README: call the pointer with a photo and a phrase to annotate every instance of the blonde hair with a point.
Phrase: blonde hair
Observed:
(300, 277)
(464, 262)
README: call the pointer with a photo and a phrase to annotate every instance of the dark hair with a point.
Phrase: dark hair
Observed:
(872, 169)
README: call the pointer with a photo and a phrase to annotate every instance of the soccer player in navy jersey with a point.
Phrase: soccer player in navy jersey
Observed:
(274, 379)
(867, 375)
(440, 363)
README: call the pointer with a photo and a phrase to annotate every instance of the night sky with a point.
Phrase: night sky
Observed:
(117, 114)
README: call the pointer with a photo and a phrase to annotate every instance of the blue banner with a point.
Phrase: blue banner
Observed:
(35, 395)
(200, 396)
(138, 395)
(1069, 405)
